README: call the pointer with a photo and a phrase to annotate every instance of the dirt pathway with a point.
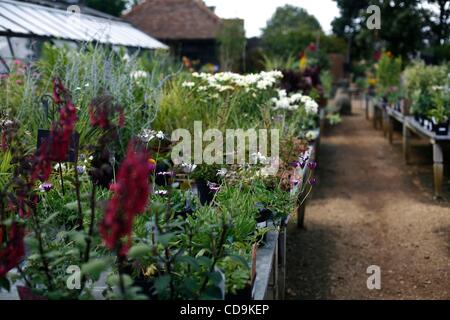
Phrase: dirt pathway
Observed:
(369, 209)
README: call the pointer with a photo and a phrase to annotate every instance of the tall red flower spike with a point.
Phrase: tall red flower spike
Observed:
(14, 251)
(131, 192)
(57, 146)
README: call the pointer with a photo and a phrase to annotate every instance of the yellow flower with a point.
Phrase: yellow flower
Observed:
(303, 62)
(150, 271)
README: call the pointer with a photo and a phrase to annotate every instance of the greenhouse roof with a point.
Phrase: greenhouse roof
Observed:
(19, 19)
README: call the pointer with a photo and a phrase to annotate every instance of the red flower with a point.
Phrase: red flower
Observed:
(377, 55)
(102, 111)
(131, 192)
(57, 145)
(312, 47)
(58, 89)
(13, 252)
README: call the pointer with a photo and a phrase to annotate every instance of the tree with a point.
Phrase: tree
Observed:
(112, 7)
(407, 27)
(232, 43)
(289, 31)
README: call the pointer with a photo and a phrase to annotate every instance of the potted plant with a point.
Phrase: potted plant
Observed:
(440, 112)
(206, 180)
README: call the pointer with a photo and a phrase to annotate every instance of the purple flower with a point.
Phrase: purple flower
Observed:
(165, 174)
(81, 169)
(295, 164)
(46, 187)
(312, 181)
(213, 186)
(312, 165)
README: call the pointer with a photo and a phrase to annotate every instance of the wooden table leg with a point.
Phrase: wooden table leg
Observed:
(406, 143)
(375, 117)
(367, 106)
(301, 216)
(390, 129)
(438, 169)
(282, 262)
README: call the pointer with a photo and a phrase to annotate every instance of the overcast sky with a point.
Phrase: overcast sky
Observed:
(257, 12)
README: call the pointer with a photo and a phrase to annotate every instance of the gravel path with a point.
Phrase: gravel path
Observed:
(370, 209)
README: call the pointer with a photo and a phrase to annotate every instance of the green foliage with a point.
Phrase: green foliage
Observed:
(423, 84)
(112, 7)
(232, 42)
(326, 80)
(388, 74)
(407, 26)
(289, 31)
(278, 62)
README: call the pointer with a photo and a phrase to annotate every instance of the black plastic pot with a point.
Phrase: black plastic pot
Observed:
(186, 212)
(162, 180)
(205, 194)
(441, 129)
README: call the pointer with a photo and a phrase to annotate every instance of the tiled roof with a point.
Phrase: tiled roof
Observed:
(175, 19)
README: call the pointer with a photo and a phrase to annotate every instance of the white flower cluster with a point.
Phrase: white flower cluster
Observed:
(147, 135)
(138, 74)
(229, 81)
(294, 101)
(311, 135)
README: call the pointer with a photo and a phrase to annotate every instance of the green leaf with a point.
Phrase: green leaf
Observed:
(216, 277)
(190, 261)
(5, 284)
(51, 217)
(162, 283)
(139, 251)
(94, 268)
(72, 205)
(212, 293)
(114, 280)
(166, 238)
(240, 260)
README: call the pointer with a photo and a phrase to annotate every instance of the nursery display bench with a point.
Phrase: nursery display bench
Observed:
(437, 141)
(392, 116)
(378, 113)
(267, 269)
(313, 154)
(270, 280)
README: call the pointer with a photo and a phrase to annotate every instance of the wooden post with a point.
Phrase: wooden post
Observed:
(275, 295)
(301, 216)
(385, 121)
(406, 142)
(390, 129)
(367, 106)
(282, 262)
(438, 169)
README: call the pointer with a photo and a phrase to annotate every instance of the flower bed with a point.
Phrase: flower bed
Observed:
(101, 196)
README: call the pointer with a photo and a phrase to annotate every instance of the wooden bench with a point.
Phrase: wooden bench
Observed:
(410, 125)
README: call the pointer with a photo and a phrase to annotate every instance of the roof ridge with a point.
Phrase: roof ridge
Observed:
(203, 7)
